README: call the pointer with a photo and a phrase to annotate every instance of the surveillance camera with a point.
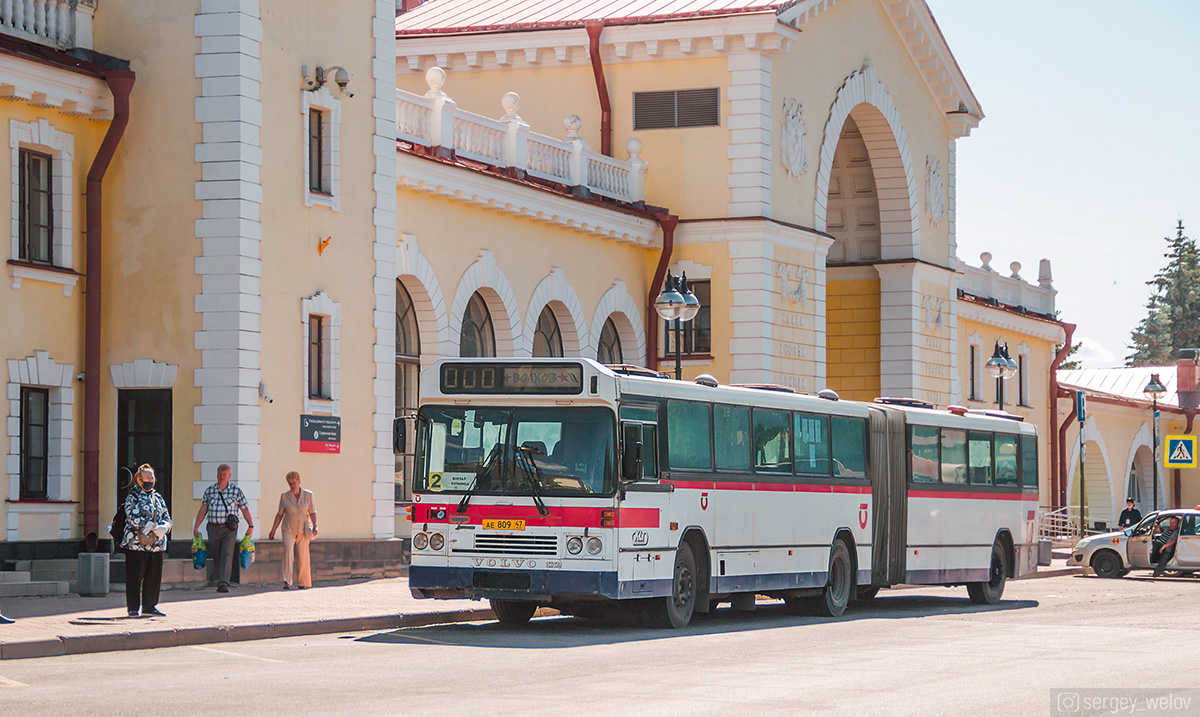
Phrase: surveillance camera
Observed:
(79, 377)
(268, 399)
(342, 78)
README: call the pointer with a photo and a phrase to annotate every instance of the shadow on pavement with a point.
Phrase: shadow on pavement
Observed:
(565, 631)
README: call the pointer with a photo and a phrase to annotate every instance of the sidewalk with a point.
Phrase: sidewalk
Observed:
(51, 626)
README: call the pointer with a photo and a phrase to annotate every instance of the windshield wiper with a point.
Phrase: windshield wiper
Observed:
(534, 473)
(496, 452)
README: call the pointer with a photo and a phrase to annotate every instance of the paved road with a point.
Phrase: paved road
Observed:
(916, 651)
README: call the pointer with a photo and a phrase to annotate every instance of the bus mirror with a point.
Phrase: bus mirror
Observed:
(631, 462)
(398, 435)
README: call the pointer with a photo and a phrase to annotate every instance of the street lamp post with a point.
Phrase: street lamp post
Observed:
(677, 303)
(1153, 390)
(1001, 367)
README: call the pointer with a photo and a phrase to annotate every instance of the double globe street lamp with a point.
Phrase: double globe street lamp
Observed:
(677, 303)
(1001, 367)
(1153, 391)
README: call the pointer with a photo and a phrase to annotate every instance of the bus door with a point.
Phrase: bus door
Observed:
(889, 489)
(639, 534)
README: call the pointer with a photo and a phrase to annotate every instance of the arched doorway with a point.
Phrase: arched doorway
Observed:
(408, 369)
(852, 210)
(1097, 486)
(1140, 486)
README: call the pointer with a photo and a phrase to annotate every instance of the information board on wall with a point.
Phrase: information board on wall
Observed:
(320, 434)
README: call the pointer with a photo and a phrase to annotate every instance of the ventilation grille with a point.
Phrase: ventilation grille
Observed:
(670, 109)
(496, 580)
(513, 545)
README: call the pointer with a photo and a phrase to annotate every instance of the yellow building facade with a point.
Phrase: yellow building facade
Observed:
(305, 208)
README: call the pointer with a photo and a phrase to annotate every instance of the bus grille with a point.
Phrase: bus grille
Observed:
(513, 545)
(500, 581)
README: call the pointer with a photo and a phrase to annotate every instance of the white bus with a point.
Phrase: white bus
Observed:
(584, 487)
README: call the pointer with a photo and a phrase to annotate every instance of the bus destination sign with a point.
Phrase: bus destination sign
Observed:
(510, 378)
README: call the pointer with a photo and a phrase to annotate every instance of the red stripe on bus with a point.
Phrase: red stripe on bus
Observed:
(566, 517)
(771, 487)
(973, 495)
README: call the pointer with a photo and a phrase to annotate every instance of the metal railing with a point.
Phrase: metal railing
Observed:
(63, 24)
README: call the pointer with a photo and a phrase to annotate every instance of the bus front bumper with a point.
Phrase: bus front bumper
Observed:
(540, 585)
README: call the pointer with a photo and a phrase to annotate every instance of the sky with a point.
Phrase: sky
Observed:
(1089, 149)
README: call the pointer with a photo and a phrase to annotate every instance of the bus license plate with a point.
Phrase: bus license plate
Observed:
(493, 524)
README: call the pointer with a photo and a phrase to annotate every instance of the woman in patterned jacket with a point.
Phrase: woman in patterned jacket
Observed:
(147, 522)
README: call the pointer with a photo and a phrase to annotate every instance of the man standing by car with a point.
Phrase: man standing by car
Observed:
(1130, 517)
(220, 505)
(1166, 545)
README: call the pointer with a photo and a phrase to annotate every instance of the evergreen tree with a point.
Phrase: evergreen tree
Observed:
(1173, 312)
(1070, 364)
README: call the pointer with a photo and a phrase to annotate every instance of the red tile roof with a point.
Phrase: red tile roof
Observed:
(455, 16)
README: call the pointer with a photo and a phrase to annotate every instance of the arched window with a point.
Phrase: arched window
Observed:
(477, 337)
(609, 350)
(408, 368)
(547, 340)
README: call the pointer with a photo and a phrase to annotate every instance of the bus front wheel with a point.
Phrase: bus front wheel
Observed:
(513, 612)
(675, 611)
(989, 593)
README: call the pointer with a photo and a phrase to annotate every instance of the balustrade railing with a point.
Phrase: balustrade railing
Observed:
(1013, 290)
(59, 23)
(434, 121)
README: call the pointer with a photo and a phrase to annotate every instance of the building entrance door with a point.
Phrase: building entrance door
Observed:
(144, 436)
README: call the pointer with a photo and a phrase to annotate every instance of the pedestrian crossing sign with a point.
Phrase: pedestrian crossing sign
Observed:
(1181, 452)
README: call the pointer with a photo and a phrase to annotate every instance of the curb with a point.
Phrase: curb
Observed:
(1056, 572)
(87, 644)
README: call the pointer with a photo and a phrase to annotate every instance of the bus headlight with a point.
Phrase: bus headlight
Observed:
(594, 546)
(420, 541)
(574, 545)
(436, 541)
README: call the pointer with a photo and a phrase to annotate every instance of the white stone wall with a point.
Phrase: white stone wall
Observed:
(230, 303)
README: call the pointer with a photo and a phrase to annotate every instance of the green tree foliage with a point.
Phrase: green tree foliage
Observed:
(1173, 312)
(1070, 364)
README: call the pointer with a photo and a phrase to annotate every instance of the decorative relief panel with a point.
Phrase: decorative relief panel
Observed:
(935, 190)
(795, 138)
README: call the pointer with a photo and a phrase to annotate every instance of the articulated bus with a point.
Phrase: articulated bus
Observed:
(587, 487)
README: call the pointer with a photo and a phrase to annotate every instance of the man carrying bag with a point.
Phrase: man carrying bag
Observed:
(220, 505)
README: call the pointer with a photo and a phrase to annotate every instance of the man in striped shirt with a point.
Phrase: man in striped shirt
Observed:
(220, 505)
(1165, 542)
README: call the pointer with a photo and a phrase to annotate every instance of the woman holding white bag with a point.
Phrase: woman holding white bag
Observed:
(147, 523)
(298, 513)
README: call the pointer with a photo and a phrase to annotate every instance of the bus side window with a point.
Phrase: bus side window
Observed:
(812, 444)
(849, 447)
(731, 438)
(954, 456)
(689, 435)
(1006, 459)
(979, 451)
(1029, 462)
(649, 451)
(772, 441)
(924, 454)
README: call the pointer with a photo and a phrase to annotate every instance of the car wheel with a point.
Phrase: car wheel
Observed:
(1107, 564)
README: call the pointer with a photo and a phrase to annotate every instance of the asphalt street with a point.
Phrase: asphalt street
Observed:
(910, 651)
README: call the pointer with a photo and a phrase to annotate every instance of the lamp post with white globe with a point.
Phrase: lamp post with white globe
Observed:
(1001, 367)
(1154, 390)
(677, 303)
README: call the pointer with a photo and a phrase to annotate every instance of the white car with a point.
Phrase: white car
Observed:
(1111, 555)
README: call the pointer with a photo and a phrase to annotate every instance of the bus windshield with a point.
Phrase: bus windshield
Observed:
(519, 451)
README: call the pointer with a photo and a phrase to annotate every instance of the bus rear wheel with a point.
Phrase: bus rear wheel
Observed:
(513, 612)
(675, 611)
(989, 593)
(840, 585)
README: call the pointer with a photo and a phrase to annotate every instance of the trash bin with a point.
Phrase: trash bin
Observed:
(93, 574)
(1044, 554)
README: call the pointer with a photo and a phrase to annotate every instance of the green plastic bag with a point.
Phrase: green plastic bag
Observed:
(247, 551)
(199, 553)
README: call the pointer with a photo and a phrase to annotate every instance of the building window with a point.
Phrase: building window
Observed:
(477, 337)
(35, 441)
(547, 339)
(1022, 381)
(973, 376)
(316, 358)
(609, 350)
(408, 368)
(697, 333)
(672, 109)
(36, 209)
(317, 169)
(322, 126)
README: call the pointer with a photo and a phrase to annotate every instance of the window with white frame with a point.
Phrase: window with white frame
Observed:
(321, 323)
(35, 442)
(42, 164)
(1023, 375)
(975, 368)
(322, 120)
